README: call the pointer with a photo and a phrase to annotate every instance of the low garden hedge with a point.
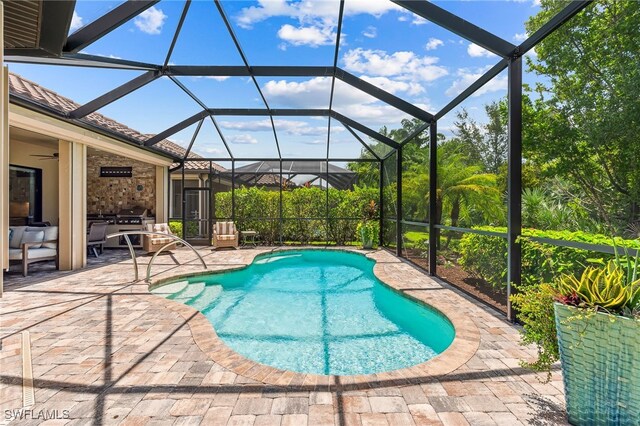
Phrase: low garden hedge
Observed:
(486, 256)
(258, 209)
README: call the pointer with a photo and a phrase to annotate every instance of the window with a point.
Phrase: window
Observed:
(25, 195)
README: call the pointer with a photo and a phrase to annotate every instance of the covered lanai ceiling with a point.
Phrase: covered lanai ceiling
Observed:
(212, 76)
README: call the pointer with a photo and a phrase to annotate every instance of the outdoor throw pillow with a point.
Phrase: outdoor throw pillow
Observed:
(33, 237)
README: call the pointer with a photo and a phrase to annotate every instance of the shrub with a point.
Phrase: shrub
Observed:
(535, 310)
(486, 256)
(176, 228)
(304, 212)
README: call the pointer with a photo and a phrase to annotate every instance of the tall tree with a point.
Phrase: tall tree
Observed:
(484, 144)
(495, 143)
(584, 123)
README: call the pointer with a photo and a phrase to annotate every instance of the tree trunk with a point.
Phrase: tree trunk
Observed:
(455, 215)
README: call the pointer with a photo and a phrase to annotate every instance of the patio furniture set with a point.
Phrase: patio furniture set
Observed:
(31, 244)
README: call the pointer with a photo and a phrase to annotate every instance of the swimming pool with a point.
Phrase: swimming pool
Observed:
(315, 311)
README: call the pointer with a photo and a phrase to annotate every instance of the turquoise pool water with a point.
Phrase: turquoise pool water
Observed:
(315, 311)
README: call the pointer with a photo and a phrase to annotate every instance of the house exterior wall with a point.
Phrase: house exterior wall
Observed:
(72, 240)
(110, 194)
(21, 154)
(4, 157)
(71, 192)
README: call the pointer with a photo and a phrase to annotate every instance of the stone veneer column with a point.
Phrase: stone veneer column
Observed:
(72, 169)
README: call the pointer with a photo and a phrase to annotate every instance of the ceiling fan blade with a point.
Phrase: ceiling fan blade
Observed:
(42, 155)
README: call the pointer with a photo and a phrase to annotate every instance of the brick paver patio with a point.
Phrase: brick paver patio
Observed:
(106, 351)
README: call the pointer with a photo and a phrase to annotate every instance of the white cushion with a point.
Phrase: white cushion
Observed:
(161, 240)
(33, 237)
(41, 252)
(50, 234)
(226, 237)
(15, 254)
(161, 227)
(16, 236)
(225, 228)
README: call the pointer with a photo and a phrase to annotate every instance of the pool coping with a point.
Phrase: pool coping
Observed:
(464, 345)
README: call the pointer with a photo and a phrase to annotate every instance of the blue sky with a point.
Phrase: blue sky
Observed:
(381, 43)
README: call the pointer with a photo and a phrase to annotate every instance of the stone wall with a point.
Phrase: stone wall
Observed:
(111, 194)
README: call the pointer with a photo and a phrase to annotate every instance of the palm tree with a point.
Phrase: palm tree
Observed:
(463, 191)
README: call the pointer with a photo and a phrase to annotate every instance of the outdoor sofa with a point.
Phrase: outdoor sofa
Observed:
(30, 244)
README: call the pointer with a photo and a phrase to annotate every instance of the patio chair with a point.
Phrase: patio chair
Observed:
(153, 243)
(29, 244)
(97, 237)
(225, 234)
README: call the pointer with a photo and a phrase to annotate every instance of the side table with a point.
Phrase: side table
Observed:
(249, 238)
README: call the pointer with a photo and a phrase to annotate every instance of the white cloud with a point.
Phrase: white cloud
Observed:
(317, 19)
(404, 65)
(433, 43)
(347, 100)
(150, 21)
(76, 22)
(466, 77)
(310, 36)
(476, 51)
(520, 36)
(210, 150)
(394, 86)
(290, 127)
(419, 20)
(217, 77)
(243, 139)
(253, 126)
(312, 93)
(306, 11)
(370, 32)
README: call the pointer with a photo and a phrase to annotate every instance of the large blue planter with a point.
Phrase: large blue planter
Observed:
(600, 357)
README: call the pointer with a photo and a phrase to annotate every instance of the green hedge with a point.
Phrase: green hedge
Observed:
(258, 209)
(486, 257)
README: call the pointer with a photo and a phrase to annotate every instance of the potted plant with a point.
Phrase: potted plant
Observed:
(369, 228)
(592, 324)
(368, 231)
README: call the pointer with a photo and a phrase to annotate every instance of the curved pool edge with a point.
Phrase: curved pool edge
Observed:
(464, 345)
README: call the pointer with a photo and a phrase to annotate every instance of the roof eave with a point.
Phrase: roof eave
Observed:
(52, 112)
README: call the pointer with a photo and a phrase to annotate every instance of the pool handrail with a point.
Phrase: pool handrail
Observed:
(175, 239)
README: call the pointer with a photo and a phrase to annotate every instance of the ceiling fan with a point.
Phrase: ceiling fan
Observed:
(53, 156)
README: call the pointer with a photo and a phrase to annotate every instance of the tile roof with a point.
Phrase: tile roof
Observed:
(174, 148)
(36, 94)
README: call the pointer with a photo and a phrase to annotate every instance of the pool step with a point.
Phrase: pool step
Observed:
(190, 291)
(169, 289)
(206, 298)
(272, 259)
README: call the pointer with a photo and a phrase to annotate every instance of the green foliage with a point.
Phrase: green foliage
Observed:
(582, 124)
(600, 287)
(614, 288)
(176, 228)
(416, 239)
(257, 209)
(464, 193)
(486, 144)
(486, 256)
(304, 212)
(369, 230)
(534, 305)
